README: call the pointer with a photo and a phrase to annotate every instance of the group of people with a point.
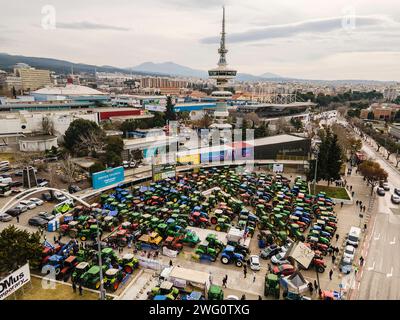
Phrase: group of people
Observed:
(362, 208)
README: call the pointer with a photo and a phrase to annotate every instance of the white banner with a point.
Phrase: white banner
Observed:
(14, 281)
(278, 168)
(169, 253)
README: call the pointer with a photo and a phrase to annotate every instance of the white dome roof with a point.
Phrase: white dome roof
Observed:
(70, 90)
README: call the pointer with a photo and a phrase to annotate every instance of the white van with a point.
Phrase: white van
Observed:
(354, 236)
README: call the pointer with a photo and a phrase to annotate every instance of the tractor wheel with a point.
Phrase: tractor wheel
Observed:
(202, 225)
(83, 238)
(218, 228)
(224, 260)
(320, 269)
(57, 271)
(214, 220)
(213, 259)
(115, 286)
(73, 233)
(239, 263)
(191, 223)
(128, 269)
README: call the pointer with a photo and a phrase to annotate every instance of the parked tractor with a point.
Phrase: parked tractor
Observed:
(223, 224)
(79, 270)
(152, 240)
(215, 293)
(196, 219)
(229, 255)
(214, 242)
(272, 286)
(173, 243)
(191, 239)
(113, 279)
(68, 267)
(205, 252)
(91, 278)
(119, 238)
(129, 263)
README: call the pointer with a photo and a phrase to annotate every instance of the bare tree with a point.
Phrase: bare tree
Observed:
(253, 118)
(70, 169)
(92, 142)
(47, 126)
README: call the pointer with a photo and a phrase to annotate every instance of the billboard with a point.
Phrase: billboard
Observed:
(14, 281)
(163, 171)
(107, 177)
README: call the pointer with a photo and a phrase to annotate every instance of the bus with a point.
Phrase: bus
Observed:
(5, 190)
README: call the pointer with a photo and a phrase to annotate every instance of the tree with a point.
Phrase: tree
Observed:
(170, 114)
(137, 155)
(114, 148)
(261, 131)
(282, 126)
(372, 172)
(91, 143)
(82, 129)
(205, 122)
(158, 120)
(96, 167)
(296, 123)
(70, 169)
(17, 247)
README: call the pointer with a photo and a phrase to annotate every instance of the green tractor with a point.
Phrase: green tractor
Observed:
(166, 289)
(129, 263)
(191, 239)
(113, 279)
(91, 278)
(215, 293)
(79, 270)
(272, 286)
(223, 224)
(90, 233)
(205, 251)
(213, 242)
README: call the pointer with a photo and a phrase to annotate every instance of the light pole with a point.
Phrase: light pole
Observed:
(102, 292)
(316, 153)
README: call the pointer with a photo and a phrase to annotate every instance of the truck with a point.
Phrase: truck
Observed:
(353, 237)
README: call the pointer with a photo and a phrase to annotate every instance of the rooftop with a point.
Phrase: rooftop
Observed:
(69, 90)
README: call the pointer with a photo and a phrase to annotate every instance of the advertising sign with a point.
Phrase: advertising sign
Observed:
(278, 167)
(108, 177)
(163, 171)
(14, 281)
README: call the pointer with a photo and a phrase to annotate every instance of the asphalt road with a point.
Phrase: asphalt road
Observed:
(380, 277)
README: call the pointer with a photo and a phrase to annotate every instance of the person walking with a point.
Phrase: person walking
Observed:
(170, 263)
(17, 219)
(337, 237)
(361, 261)
(333, 258)
(330, 274)
(259, 297)
(341, 204)
(245, 271)
(365, 226)
(80, 289)
(254, 277)
(351, 188)
(352, 194)
(224, 282)
(357, 203)
(310, 288)
(74, 286)
(355, 270)
(243, 297)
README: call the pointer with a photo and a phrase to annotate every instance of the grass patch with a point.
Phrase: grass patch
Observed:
(332, 192)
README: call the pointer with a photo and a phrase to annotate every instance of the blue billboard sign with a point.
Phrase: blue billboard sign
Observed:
(107, 177)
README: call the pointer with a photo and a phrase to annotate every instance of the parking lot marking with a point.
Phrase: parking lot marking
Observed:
(377, 237)
(388, 275)
(394, 241)
(371, 268)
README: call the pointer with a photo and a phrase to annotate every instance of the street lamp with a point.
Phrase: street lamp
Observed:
(316, 153)
(102, 292)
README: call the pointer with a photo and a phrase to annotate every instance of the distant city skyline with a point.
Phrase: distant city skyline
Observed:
(305, 39)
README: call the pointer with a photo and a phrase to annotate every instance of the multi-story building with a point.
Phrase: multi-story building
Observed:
(31, 78)
(381, 111)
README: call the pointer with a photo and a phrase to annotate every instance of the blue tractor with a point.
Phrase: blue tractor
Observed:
(229, 255)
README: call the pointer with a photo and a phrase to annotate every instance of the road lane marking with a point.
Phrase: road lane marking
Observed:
(371, 268)
(378, 237)
(388, 275)
(394, 241)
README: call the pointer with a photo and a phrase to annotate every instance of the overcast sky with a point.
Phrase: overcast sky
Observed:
(311, 39)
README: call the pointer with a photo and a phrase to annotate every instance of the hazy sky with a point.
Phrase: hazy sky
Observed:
(312, 39)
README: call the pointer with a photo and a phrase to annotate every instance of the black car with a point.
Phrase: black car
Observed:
(38, 222)
(47, 196)
(380, 191)
(73, 188)
(14, 212)
(397, 191)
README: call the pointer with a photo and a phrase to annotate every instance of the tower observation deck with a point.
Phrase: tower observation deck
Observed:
(222, 74)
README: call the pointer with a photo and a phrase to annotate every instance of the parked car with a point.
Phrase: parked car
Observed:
(43, 184)
(38, 222)
(125, 164)
(46, 215)
(21, 207)
(283, 270)
(397, 191)
(37, 201)
(345, 265)
(270, 251)
(59, 196)
(14, 212)
(380, 191)
(28, 204)
(46, 196)
(395, 199)
(349, 252)
(279, 258)
(385, 186)
(73, 188)
(254, 262)
(4, 217)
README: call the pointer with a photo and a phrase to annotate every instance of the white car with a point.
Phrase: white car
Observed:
(125, 164)
(28, 204)
(37, 201)
(254, 262)
(59, 196)
(232, 297)
(279, 259)
(349, 252)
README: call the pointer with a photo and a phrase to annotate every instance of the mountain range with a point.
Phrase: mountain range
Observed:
(169, 68)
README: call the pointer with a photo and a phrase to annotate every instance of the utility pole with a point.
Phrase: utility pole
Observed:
(316, 153)
(102, 292)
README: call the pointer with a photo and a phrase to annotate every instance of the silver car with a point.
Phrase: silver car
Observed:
(395, 199)
(4, 217)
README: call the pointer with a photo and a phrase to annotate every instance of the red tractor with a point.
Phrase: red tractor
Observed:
(173, 243)
(47, 252)
(197, 219)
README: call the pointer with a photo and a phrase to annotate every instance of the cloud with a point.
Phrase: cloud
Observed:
(293, 29)
(86, 25)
